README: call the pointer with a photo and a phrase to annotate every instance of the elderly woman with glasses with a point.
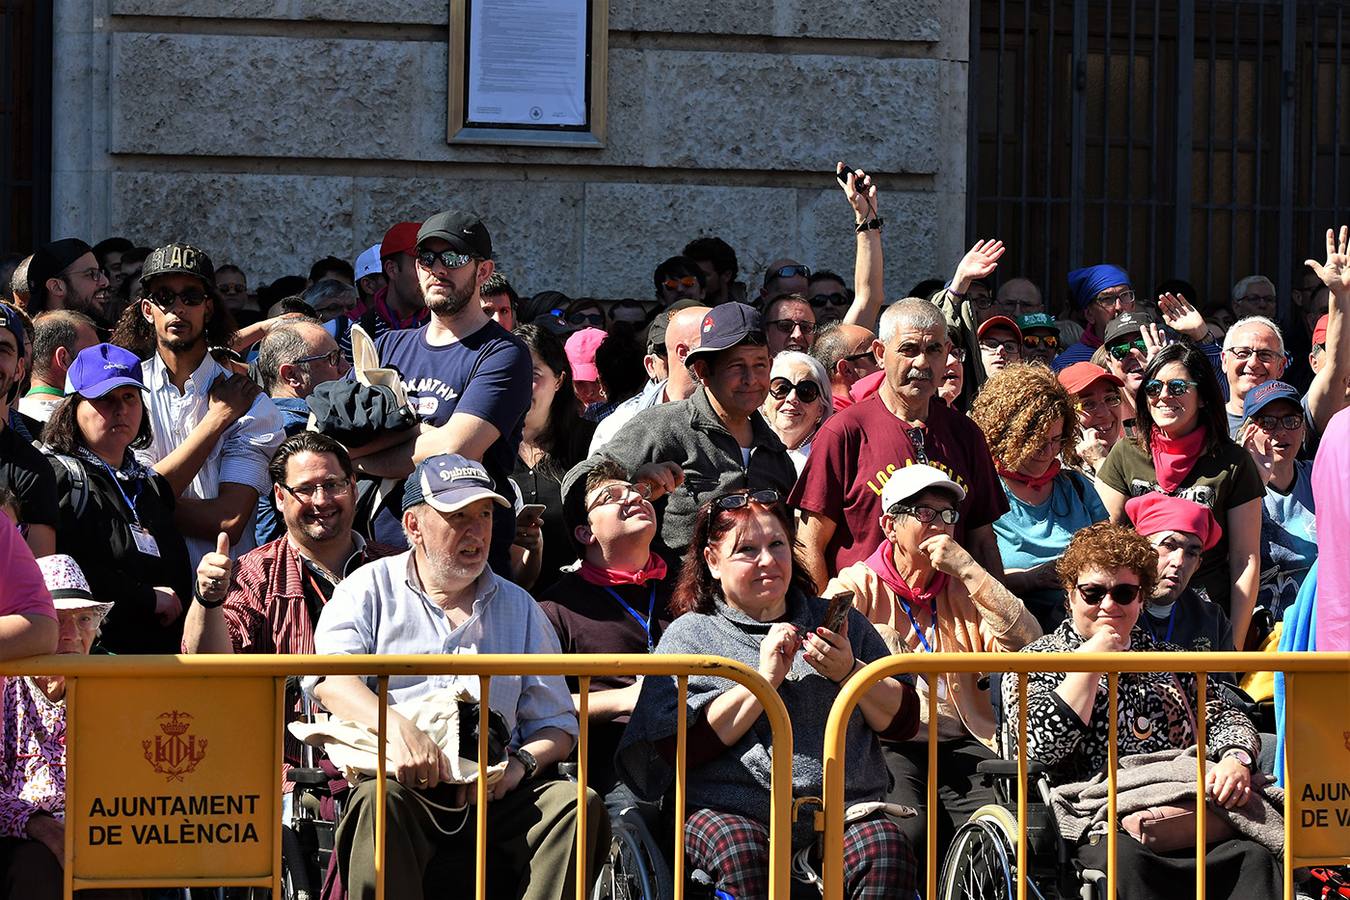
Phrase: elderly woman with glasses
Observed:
(742, 594)
(1108, 572)
(798, 402)
(1183, 449)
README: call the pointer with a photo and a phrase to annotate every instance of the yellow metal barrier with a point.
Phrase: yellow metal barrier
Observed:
(166, 669)
(1020, 664)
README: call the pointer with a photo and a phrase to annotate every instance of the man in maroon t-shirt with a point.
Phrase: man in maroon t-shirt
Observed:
(857, 450)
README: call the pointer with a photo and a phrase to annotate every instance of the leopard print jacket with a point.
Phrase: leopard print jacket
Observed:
(1153, 713)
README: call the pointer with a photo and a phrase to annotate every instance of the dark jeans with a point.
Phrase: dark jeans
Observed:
(960, 790)
(1234, 870)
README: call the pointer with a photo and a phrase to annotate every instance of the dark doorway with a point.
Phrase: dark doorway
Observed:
(25, 124)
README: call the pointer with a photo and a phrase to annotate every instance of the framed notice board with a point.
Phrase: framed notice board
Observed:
(528, 72)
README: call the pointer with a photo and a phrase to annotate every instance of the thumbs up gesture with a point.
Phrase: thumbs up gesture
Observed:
(213, 572)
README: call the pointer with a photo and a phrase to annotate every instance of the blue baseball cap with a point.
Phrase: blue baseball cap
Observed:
(11, 321)
(448, 482)
(102, 367)
(1265, 394)
(727, 326)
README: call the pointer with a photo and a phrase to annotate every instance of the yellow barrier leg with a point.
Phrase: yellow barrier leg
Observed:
(584, 691)
(381, 785)
(930, 842)
(681, 779)
(1022, 786)
(1201, 683)
(1112, 739)
(480, 862)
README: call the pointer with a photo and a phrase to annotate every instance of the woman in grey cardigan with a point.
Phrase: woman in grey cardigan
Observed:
(743, 595)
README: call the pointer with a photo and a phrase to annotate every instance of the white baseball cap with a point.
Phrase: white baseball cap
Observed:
(368, 263)
(909, 481)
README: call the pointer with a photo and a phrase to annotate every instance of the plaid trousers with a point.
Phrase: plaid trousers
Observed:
(734, 850)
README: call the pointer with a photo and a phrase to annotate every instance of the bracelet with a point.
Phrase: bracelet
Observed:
(206, 604)
(851, 670)
(869, 225)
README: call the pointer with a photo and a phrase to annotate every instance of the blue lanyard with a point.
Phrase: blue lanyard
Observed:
(637, 616)
(129, 501)
(1171, 621)
(914, 622)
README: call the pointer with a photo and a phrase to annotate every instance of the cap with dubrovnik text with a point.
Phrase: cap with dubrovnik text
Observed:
(448, 482)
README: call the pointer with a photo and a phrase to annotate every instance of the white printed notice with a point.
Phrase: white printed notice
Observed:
(527, 62)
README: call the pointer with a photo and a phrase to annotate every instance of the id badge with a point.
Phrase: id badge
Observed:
(145, 541)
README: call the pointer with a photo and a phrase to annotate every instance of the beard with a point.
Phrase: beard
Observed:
(453, 301)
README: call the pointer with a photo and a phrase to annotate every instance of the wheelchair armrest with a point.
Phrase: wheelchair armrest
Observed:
(1008, 767)
(313, 777)
(568, 770)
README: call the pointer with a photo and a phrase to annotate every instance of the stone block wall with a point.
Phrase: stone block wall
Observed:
(273, 132)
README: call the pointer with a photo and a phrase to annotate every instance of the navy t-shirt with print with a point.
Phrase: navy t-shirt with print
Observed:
(487, 375)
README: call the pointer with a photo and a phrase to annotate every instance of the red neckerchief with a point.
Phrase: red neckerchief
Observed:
(1090, 339)
(882, 561)
(654, 570)
(1036, 482)
(1173, 459)
(384, 312)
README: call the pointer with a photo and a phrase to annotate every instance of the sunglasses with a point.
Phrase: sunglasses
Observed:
(618, 492)
(791, 271)
(1176, 387)
(1122, 594)
(926, 514)
(688, 281)
(231, 289)
(451, 259)
(165, 298)
(837, 298)
(787, 326)
(767, 497)
(580, 318)
(1048, 341)
(1291, 422)
(334, 357)
(807, 391)
(861, 354)
(1122, 350)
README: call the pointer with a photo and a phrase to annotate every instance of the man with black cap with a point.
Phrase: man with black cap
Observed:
(213, 432)
(23, 470)
(716, 441)
(65, 274)
(467, 378)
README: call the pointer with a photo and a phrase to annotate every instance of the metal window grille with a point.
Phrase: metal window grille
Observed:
(25, 124)
(1199, 139)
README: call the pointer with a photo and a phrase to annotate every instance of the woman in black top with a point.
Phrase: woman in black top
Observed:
(116, 515)
(554, 439)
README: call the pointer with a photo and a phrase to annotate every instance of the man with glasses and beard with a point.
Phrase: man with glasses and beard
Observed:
(65, 274)
(213, 432)
(467, 378)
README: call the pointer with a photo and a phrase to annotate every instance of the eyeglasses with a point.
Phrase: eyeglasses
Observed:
(915, 436)
(451, 259)
(993, 346)
(1242, 354)
(927, 515)
(581, 318)
(165, 298)
(1291, 422)
(1258, 299)
(231, 289)
(1090, 407)
(983, 301)
(807, 391)
(1123, 300)
(791, 271)
(332, 488)
(1122, 350)
(741, 499)
(957, 353)
(1176, 387)
(619, 492)
(787, 326)
(1048, 341)
(861, 354)
(837, 298)
(334, 357)
(93, 274)
(688, 281)
(1122, 594)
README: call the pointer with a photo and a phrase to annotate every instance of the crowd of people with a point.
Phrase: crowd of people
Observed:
(402, 455)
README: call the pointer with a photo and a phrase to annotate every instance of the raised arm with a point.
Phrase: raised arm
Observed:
(1326, 395)
(869, 291)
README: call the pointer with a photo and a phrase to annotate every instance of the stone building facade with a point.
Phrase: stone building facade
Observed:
(274, 132)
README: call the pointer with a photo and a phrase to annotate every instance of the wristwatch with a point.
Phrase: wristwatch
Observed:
(1239, 754)
(527, 760)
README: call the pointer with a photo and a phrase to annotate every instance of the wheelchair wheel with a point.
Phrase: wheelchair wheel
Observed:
(981, 863)
(636, 869)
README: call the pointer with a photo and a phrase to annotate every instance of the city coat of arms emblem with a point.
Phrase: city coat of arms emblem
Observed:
(174, 753)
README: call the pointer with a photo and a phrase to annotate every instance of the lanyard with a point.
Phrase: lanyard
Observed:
(914, 622)
(1171, 621)
(129, 501)
(637, 616)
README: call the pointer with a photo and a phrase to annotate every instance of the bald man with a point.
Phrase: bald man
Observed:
(673, 334)
(845, 350)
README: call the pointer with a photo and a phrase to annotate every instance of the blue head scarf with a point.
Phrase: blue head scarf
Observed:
(1088, 282)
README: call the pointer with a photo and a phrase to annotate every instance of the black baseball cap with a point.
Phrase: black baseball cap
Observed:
(49, 261)
(178, 259)
(727, 326)
(656, 331)
(461, 230)
(1127, 323)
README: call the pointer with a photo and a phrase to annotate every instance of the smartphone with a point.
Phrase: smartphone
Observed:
(837, 611)
(843, 176)
(530, 512)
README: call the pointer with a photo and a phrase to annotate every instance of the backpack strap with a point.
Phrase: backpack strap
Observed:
(79, 482)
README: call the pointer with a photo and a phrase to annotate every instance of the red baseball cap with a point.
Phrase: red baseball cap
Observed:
(1320, 332)
(995, 321)
(1082, 375)
(402, 238)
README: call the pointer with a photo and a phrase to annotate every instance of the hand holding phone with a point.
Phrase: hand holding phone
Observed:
(837, 612)
(530, 514)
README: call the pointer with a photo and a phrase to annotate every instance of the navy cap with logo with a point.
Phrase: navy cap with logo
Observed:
(102, 367)
(178, 259)
(448, 482)
(727, 326)
(1127, 323)
(12, 321)
(463, 231)
(49, 261)
(1266, 393)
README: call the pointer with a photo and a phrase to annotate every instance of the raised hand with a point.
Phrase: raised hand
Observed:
(1154, 340)
(860, 191)
(213, 572)
(1257, 443)
(1335, 272)
(979, 262)
(1183, 318)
